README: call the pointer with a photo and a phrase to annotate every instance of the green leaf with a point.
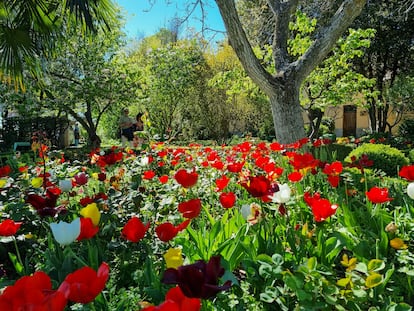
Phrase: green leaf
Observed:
(373, 280)
(312, 263)
(399, 307)
(17, 265)
(303, 296)
(376, 265)
(332, 248)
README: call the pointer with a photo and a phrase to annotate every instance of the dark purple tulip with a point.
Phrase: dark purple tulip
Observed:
(198, 280)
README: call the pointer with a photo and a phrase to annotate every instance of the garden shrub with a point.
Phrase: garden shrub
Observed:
(411, 156)
(384, 157)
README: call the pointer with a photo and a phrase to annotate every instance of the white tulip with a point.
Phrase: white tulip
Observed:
(283, 195)
(410, 190)
(65, 185)
(66, 233)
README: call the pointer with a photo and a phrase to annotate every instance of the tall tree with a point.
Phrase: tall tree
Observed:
(283, 87)
(390, 55)
(172, 72)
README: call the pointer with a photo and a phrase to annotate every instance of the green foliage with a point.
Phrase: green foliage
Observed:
(406, 130)
(384, 157)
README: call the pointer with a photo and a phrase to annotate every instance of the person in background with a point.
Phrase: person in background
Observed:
(139, 127)
(76, 133)
(127, 126)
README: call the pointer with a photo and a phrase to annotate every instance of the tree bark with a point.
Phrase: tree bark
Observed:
(283, 88)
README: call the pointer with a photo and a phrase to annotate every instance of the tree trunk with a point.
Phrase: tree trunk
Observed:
(287, 113)
(94, 142)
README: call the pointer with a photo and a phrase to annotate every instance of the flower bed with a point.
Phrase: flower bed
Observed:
(255, 226)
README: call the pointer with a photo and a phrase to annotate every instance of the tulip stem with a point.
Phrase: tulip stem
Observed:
(72, 253)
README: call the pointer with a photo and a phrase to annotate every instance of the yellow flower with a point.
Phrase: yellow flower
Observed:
(91, 211)
(95, 176)
(349, 263)
(397, 243)
(3, 182)
(37, 182)
(173, 258)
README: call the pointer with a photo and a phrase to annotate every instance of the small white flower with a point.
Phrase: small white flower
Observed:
(144, 161)
(410, 190)
(66, 233)
(245, 211)
(65, 185)
(283, 195)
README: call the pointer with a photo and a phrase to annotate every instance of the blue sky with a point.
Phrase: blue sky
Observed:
(142, 19)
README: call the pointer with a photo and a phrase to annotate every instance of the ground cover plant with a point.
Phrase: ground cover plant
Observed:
(254, 226)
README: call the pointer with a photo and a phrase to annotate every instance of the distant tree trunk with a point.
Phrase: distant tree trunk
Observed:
(94, 141)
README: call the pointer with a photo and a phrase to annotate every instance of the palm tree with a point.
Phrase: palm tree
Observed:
(29, 29)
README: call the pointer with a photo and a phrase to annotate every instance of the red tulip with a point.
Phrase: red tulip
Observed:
(175, 300)
(235, 167)
(5, 171)
(333, 180)
(186, 179)
(8, 227)
(163, 179)
(134, 230)
(258, 186)
(378, 195)
(302, 161)
(295, 176)
(321, 208)
(335, 168)
(149, 174)
(227, 199)
(222, 183)
(190, 209)
(407, 172)
(32, 293)
(85, 284)
(167, 231)
(81, 179)
(88, 230)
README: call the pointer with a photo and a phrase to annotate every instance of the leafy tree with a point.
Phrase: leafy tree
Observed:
(172, 70)
(283, 87)
(244, 107)
(388, 57)
(29, 30)
(333, 82)
(90, 77)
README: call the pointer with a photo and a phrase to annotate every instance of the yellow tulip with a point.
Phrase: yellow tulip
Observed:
(91, 211)
(37, 182)
(3, 182)
(173, 258)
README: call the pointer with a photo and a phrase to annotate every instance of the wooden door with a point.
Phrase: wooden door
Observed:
(349, 120)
